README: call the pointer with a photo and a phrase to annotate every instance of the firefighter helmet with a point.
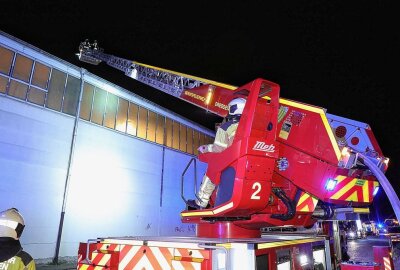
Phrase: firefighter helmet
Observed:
(11, 223)
(236, 106)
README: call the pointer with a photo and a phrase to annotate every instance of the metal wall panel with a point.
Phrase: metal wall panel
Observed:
(114, 189)
(174, 165)
(119, 185)
(34, 148)
(116, 186)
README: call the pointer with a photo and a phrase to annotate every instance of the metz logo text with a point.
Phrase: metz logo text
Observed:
(261, 146)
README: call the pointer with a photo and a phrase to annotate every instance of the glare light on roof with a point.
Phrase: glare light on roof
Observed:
(209, 94)
(330, 184)
(133, 74)
(386, 161)
(345, 151)
(376, 189)
(303, 259)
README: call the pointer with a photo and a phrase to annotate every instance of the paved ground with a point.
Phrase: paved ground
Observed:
(62, 266)
(65, 263)
(362, 249)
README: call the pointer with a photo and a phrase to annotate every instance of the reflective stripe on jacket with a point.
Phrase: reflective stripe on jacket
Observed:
(224, 137)
(21, 261)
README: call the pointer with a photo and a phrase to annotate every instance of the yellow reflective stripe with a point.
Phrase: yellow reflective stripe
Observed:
(340, 178)
(353, 197)
(315, 201)
(197, 260)
(361, 210)
(376, 184)
(344, 189)
(197, 213)
(9, 223)
(305, 209)
(286, 243)
(366, 192)
(227, 86)
(225, 245)
(303, 198)
(208, 213)
(223, 208)
(321, 112)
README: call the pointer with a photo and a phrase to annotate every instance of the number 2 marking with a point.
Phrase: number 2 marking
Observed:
(257, 187)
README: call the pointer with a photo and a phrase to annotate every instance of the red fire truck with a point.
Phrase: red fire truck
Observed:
(290, 164)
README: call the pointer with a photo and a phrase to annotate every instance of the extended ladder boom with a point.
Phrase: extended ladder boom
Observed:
(170, 82)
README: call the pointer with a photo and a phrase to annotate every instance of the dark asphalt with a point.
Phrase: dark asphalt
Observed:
(362, 249)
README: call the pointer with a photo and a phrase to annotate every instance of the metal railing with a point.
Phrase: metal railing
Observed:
(192, 160)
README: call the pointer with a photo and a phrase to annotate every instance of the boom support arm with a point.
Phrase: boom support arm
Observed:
(192, 89)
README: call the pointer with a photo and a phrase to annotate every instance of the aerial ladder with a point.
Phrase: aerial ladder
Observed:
(290, 163)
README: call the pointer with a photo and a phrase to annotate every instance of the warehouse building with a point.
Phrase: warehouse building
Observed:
(81, 157)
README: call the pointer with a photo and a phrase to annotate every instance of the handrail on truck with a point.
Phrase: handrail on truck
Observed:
(227, 258)
(195, 179)
(87, 260)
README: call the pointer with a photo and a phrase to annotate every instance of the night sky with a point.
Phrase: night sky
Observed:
(339, 55)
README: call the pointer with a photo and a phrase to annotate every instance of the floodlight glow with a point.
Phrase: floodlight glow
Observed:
(303, 259)
(221, 260)
(359, 226)
(386, 161)
(380, 226)
(133, 74)
(284, 266)
(209, 94)
(376, 189)
(330, 184)
(345, 151)
(319, 256)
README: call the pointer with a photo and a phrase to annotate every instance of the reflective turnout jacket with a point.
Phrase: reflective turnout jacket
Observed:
(224, 137)
(21, 261)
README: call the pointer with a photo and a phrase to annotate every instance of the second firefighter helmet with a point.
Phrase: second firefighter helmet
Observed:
(11, 223)
(236, 106)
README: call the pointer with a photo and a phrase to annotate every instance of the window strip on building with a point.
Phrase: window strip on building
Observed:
(37, 83)
(6, 60)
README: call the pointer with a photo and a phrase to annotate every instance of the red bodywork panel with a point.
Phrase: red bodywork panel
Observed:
(126, 256)
(210, 97)
(280, 147)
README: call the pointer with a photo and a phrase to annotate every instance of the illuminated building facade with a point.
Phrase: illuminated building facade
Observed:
(81, 157)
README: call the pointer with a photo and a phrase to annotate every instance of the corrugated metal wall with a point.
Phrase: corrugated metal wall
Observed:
(119, 185)
(34, 150)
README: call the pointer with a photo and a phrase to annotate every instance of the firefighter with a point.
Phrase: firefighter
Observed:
(12, 257)
(223, 139)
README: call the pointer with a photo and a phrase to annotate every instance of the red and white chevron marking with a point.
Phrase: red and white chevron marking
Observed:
(387, 263)
(146, 257)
